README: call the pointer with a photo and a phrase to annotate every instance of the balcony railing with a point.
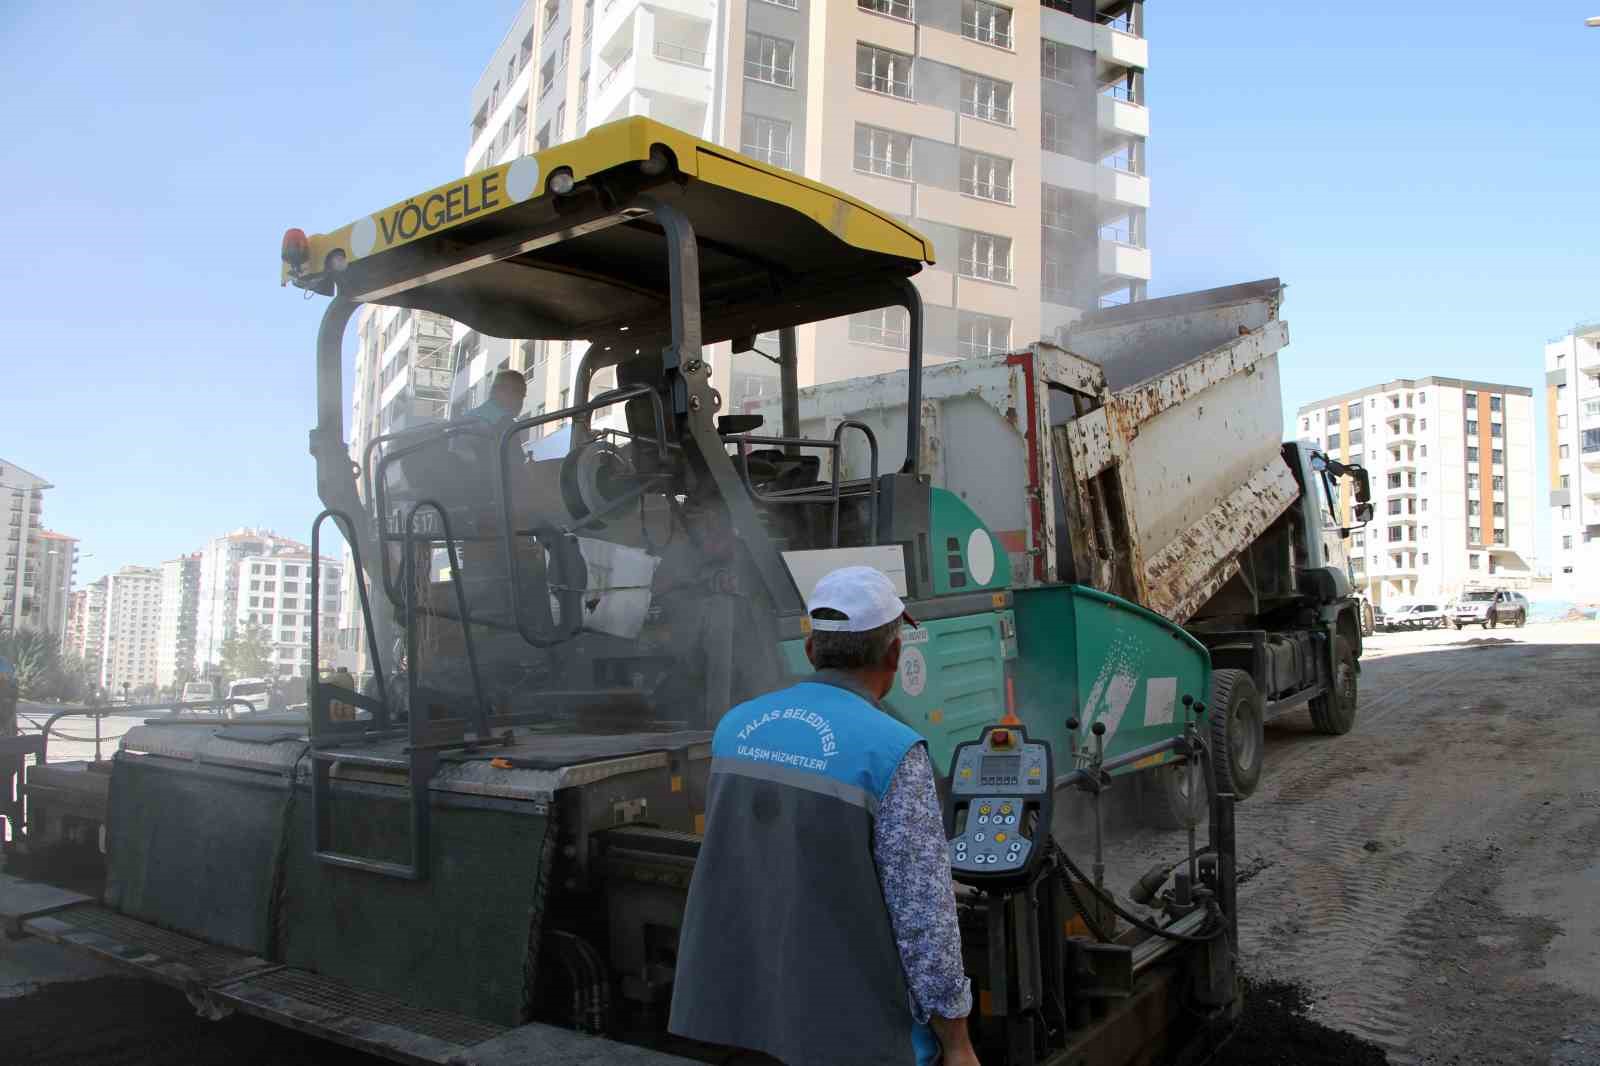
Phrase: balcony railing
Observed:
(678, 53)
(1120, 92)
(616, 69)
(1122, 23)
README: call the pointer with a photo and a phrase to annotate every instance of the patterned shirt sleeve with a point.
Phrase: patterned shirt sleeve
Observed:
(913, 862)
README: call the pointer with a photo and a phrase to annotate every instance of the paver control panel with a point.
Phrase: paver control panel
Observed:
(999, 810)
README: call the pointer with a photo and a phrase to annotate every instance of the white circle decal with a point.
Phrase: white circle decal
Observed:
(913, 671)
(363, 236)
(980, 556)
(522, 177)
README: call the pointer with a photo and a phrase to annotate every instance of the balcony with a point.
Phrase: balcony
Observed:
(1122, 116)
(1589, 442)
(1115, 46)
(1122, 260)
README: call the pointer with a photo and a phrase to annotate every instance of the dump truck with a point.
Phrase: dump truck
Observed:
(1143, 457)
(487, 862)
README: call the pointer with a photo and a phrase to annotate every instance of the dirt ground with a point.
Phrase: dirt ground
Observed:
(1431, 881)
(1427, 886)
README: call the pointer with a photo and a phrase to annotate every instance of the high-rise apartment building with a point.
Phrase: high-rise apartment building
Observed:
(180, 596)
(1012, 135)
(1451, 464)
(86, 625)
(217, 601)
(1572, 406)
(21, 548)
(131, 630)
(274, 593)
(58, 566)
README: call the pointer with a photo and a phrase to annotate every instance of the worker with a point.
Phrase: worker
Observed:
(506, 394)
(821, 921)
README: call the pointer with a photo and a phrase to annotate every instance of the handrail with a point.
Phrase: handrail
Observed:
(835, 497)
(48, 730)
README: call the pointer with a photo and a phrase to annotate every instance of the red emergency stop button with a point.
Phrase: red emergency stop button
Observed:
(1000, 738)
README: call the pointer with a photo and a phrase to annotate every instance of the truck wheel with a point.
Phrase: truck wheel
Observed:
(1334, 712)
(1168, 803)
(1237, 743)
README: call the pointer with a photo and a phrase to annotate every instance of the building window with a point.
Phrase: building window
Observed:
(1053, 64)
(1424, 558)
(886, 327)
(1355, 437)
(769, 59)
(1394, 506)
(1469, 399)
(1566, 481)
(986, 22)
(543, 140)
(986, 98)
(982, 334)
(1396, 534)
(1334, 414)
(1591, 408)
(1496, 429)
(885, 152)
(1053, 132)
(1495, 403)
(1423, 451)
(1333, 440)
(1472, 427)
(561, 120)
(1566, 451)
(1566, 512)
(766, 139)
(1499, 510)
(1474, 507)
(1499, 536)
(1305, 425)
(900, 9)
(547, 76)
(1472, 455)
(1055, 281)
(986, 256)
(882, 71)
(1496, 456)
(986, 176)
(1561, 422)
(1566, 541)
(1056, 205)
(791, 4)
(1497, 483)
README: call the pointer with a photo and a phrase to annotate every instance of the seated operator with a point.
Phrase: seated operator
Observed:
(506, 395)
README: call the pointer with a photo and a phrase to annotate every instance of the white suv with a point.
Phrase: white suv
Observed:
(1415, 616)
(1489, 608)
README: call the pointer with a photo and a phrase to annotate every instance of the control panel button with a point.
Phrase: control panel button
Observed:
(1005, 808)
(985, 809)
(978, 837)
(999, 838)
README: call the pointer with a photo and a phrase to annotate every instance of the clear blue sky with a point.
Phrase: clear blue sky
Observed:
(1424, 180)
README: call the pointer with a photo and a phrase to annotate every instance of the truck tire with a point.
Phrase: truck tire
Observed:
(1334, 712)
(1236, 721)
(1167, 802)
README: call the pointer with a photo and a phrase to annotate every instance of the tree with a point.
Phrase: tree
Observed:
(76, 680)
(247, 653)
(38, 662)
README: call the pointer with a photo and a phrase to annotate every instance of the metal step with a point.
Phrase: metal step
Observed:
(220, 980)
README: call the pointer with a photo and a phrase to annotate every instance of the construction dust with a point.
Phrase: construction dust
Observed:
(124, 1021)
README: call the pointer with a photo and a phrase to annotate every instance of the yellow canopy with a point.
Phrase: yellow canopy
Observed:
(561, 245)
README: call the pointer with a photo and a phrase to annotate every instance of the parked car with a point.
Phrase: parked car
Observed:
(1416, 616)
(1489, 608)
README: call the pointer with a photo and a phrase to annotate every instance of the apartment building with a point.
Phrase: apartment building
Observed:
(132, 626)
(1572, 408)
(1451, 464)
(57, 568)
(274, 593)
(21, 548)
(86, 623)
(180, 597)
(217, 600)
(1012, 135)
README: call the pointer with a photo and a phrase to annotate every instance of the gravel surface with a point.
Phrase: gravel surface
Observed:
(1429, 881)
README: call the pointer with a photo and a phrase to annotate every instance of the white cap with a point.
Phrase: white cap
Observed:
(863, 594)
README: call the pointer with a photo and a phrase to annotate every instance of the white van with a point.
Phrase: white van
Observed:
(256, 691)
(198, 692)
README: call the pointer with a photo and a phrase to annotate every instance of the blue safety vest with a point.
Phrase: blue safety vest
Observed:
(787, 946)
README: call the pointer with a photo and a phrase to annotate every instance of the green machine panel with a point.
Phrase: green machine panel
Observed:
(1088, 655)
